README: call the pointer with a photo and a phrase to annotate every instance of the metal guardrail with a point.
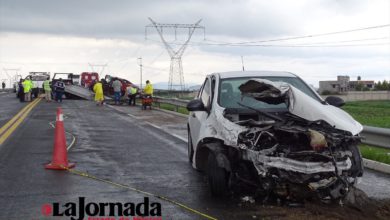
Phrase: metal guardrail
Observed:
(172, 101)
(379, 137)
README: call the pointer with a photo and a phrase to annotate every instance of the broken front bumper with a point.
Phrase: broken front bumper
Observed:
(262, 163)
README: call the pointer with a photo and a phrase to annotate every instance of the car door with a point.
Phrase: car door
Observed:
(197, 118)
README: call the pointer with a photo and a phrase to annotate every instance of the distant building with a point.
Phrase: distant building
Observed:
(343, 84)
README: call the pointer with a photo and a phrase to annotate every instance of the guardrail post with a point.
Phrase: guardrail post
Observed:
(379, 137)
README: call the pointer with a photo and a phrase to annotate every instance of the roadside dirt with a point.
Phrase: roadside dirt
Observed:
(358, 206)
(379, 210)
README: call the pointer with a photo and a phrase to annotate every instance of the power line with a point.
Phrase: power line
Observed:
(313, 43)
(347, 41)
(156, 58)
(285, 45)
(307, 36)
(340, 45)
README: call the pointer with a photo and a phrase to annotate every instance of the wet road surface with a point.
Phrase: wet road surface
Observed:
(9, 107)
(109, 145)
(113, 146)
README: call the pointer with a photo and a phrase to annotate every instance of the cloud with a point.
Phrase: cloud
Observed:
(118, 18)
(64, 36)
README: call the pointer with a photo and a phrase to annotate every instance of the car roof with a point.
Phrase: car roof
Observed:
(235, 74)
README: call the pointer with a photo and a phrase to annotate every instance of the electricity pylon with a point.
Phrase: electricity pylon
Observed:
(12, 77)
(101, 66)
(176, 77)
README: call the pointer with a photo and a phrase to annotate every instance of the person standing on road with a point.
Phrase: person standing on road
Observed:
(27, 89)
(21, 90)
(3, 85)
(148, 90)
(59, 89)
(99, 96)
(117, 85)
(47, 88)
(131, 93)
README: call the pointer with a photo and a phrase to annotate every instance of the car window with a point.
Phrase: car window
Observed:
(205, 96)
(230, 95)
(38, 78)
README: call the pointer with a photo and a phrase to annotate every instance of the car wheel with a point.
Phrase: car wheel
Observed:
(190, 149)
(217, 177)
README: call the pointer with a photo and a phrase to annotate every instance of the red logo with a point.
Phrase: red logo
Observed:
(47, 209)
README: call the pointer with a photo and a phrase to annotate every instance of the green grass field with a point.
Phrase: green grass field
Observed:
(372, 113)
(375, 153)
(172, 108)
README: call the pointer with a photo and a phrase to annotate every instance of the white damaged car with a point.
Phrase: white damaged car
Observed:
(272, 132)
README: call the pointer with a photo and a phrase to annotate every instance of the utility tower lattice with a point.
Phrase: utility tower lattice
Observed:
(102, 66)
(176, 77)
(12, 78)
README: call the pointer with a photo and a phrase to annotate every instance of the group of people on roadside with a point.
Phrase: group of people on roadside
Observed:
(25, 89)
(26, 86)
(131, 92)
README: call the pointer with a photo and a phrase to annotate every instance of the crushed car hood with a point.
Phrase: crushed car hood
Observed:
(299, 103)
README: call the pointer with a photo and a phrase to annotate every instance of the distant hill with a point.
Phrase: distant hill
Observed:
(194, 88)
(164, 86)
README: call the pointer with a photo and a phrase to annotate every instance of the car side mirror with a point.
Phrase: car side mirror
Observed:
(335, 101)
(195, 105)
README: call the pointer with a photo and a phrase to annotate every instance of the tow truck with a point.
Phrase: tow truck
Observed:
(37, 78)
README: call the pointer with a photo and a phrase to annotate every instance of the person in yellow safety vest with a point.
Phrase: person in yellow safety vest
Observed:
(98, 89)
(27, 86)
(32, 89)
(47, 88)
(131, 93)
(148, 90)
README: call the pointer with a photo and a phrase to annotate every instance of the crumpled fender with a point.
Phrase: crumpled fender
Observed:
(299, 103)
(218, 127)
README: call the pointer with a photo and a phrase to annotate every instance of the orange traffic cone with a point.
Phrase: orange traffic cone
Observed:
(60, 157)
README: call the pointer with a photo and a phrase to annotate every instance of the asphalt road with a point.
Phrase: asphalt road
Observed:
(115, 147)
(9, 107)
(109, 145)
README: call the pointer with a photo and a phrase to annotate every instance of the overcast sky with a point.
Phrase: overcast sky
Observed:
(67, 36)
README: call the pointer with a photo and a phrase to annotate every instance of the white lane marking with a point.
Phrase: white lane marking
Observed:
(170, 143)
(153, 125)
(172, 134)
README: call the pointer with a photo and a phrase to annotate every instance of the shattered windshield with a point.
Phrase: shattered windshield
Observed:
(230, 95)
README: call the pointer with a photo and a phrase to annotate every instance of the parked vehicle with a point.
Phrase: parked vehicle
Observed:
(88, 78)
(109, 90)
(37, 78)
(272, 132)
(68, 79)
